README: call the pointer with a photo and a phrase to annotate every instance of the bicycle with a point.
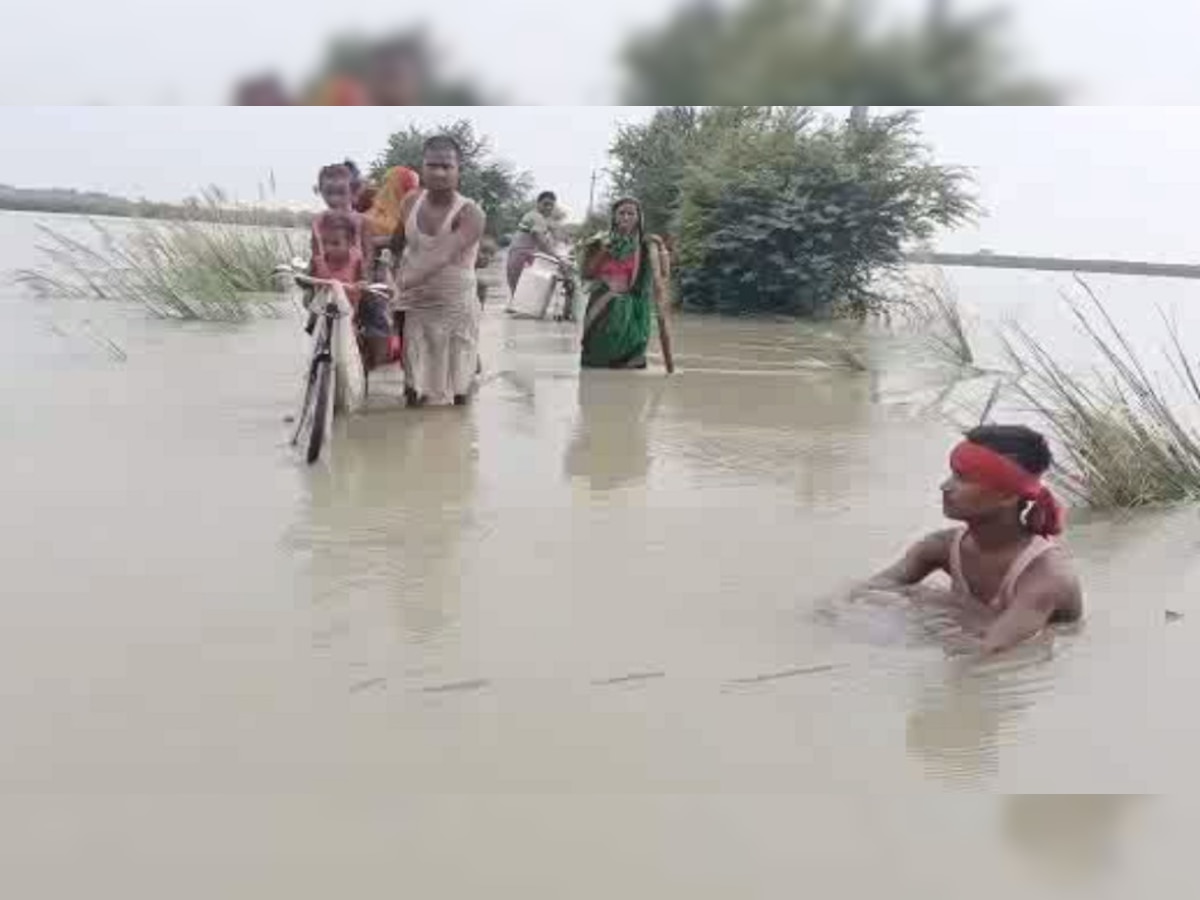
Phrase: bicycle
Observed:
(336, 377)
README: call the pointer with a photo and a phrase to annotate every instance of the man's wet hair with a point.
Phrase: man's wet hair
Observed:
(547, 195)
(352, 168)
(443, 142)
(1023, 445)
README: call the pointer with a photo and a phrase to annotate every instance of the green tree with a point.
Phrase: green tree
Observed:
(650, 158)
(819, 52)
(502, 190)
(782, 211)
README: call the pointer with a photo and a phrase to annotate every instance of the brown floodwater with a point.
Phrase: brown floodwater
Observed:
(583, 638)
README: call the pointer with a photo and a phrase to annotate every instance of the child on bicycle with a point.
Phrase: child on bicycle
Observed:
(336, 186)
(339, 258)
(337, 255)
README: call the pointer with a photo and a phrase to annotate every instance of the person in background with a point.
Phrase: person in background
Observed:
(1004, 564)
(535, 234)
(383, 217)
(362, 193)
(365, 198)
(628, 272)
(438, 245)
(488, 248)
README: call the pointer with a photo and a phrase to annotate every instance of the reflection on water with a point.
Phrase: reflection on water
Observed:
(386, 516)
(961, 720)
(610, 447)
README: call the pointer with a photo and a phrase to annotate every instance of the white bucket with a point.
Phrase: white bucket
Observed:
(535, 288)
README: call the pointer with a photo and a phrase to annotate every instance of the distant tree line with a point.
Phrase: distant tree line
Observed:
(213, 206)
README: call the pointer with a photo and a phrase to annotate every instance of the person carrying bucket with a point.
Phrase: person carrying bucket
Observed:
(536, 233)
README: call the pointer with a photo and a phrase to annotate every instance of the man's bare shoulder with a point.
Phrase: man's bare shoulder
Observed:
(470, 217)
(1051, 581)
(935, 546)
(471, 210)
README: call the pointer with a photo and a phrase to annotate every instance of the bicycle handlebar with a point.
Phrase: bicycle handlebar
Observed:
(304, 279)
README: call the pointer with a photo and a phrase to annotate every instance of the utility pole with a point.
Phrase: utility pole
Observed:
(858, 116)
(591, 196)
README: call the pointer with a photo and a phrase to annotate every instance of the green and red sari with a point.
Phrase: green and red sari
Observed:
(617, 324)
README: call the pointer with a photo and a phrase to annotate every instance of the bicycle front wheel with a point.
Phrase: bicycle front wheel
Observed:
(317, 412)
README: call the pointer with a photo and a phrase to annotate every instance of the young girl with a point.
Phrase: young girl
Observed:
(341, 259)
(338, 256)
(335, 184)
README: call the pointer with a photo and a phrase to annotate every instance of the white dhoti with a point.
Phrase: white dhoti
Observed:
(441, 317)
(441, 351)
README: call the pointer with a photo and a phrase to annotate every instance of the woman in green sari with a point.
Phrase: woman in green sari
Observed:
(627, 272)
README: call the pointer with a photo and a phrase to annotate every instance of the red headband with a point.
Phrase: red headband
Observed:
(993, 470)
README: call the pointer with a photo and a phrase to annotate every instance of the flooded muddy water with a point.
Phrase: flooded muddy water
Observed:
(580, 638)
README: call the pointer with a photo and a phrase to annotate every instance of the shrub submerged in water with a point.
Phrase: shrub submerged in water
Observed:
(781, 210)
(1121, 440)
(1124, 442)
(819, 212)
(213, 267)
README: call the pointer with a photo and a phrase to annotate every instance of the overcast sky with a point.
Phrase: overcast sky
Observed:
(1065, 180)
(166, 153)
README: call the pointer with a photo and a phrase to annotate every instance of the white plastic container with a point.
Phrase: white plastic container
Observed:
(535, 290)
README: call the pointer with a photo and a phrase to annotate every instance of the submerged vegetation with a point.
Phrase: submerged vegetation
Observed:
(1122, 438)
(1124, 442)
(781, 210)
(938, 316)
(217, 266)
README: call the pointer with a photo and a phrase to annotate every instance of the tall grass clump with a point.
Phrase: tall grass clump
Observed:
(937, 314)
(1123, 442)
(216, 265)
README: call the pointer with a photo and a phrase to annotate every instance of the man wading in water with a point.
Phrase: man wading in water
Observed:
(437, 243)
(1004, 563)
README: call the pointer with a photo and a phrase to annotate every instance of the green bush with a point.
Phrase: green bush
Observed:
(779, 210)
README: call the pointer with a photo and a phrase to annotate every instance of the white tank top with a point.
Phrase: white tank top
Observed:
(1036, 547)
(454, 284)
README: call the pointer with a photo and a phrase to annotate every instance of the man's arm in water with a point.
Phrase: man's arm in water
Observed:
(467, 231)
(1047, 586)
(923, 558)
